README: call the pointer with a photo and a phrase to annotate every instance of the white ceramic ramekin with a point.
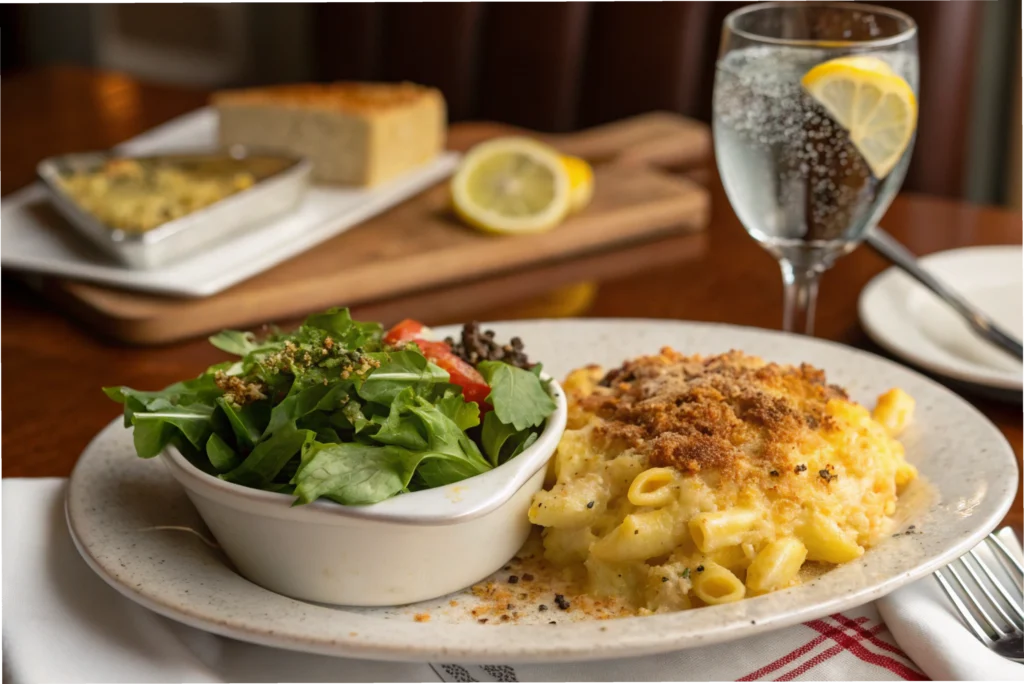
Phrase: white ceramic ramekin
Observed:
(409, 548)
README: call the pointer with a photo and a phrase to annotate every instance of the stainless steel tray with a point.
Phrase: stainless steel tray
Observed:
(270, 196)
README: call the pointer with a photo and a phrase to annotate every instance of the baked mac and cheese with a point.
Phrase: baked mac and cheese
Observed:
(684, 481)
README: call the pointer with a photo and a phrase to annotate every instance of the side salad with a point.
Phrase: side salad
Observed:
(341, 410)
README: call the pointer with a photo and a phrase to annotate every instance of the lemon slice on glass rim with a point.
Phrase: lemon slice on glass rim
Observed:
(512, 185)
(874, 104)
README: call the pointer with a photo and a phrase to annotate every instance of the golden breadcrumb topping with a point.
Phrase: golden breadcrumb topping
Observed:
(694, 413)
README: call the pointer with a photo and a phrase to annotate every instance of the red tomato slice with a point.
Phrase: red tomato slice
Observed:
(474, 388)
(403, 331)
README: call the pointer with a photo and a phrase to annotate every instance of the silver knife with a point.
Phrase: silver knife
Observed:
(891, 249)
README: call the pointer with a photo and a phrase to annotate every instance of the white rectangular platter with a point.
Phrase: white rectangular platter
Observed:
(33, 237)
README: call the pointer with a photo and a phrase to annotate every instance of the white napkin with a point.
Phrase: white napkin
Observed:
(63, 623)
(927, 627)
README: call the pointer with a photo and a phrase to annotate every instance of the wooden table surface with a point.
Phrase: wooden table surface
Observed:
(53, 369)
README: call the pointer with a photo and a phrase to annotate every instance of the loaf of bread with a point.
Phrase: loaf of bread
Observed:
(354, 133)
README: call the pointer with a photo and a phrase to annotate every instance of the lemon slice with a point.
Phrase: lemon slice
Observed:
(876, 106)
(512, 186)
(581, 182)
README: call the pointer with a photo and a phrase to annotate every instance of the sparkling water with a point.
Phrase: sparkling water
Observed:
(791, 172)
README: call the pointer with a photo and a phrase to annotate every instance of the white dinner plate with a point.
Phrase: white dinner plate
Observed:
(131, 522)
(910, 321)
(37, 239)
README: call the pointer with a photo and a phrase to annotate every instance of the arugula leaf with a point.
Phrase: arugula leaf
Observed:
(523, 444)
(354, 415)
(494, 435)
(354, 474)
(299, 403)
(453, 455)
(517, 395)
(153, 431)
(343, 330)
(222, 457)
(268, 458)
(397, 371)
(401, 427)
(245, 422)
(465, 414)
(234, 342)
(503, 442)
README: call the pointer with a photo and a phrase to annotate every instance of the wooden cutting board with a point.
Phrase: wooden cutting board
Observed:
(419, 246)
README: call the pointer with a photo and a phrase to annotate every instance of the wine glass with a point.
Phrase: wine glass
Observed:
(809, 154)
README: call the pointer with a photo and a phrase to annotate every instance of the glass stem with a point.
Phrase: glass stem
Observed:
(800, 290)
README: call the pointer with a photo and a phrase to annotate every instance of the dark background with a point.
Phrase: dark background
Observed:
(547, 67)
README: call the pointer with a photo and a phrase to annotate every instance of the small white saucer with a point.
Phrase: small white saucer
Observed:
(911, 322)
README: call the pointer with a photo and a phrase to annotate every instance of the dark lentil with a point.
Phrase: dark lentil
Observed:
(474, 346)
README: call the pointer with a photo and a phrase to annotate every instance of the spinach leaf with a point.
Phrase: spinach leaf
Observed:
(517, 395)
(153, 431)
(397, 371)
(354, 474)
(222, 457)
(268, 458)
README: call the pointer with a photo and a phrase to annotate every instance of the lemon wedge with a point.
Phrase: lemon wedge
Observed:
(581, 182)
(512, 186)
(875, 105)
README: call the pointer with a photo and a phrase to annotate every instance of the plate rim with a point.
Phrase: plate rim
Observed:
(584, 648)
(867, 313)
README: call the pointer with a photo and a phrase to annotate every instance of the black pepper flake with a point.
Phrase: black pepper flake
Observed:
(510, 606)
(507, 567)
(542, 607)
(827, 475)
(505, 618)
(800, 468)
(636, 531)
(527, 577)
(664, 579)
(590, 504)
(522, 597)
(482, 621)
(513, 579)
(700, 568)
(773, 473)
(561, 602)
(552, 623)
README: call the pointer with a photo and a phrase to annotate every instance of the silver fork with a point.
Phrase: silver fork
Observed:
(997, 620)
